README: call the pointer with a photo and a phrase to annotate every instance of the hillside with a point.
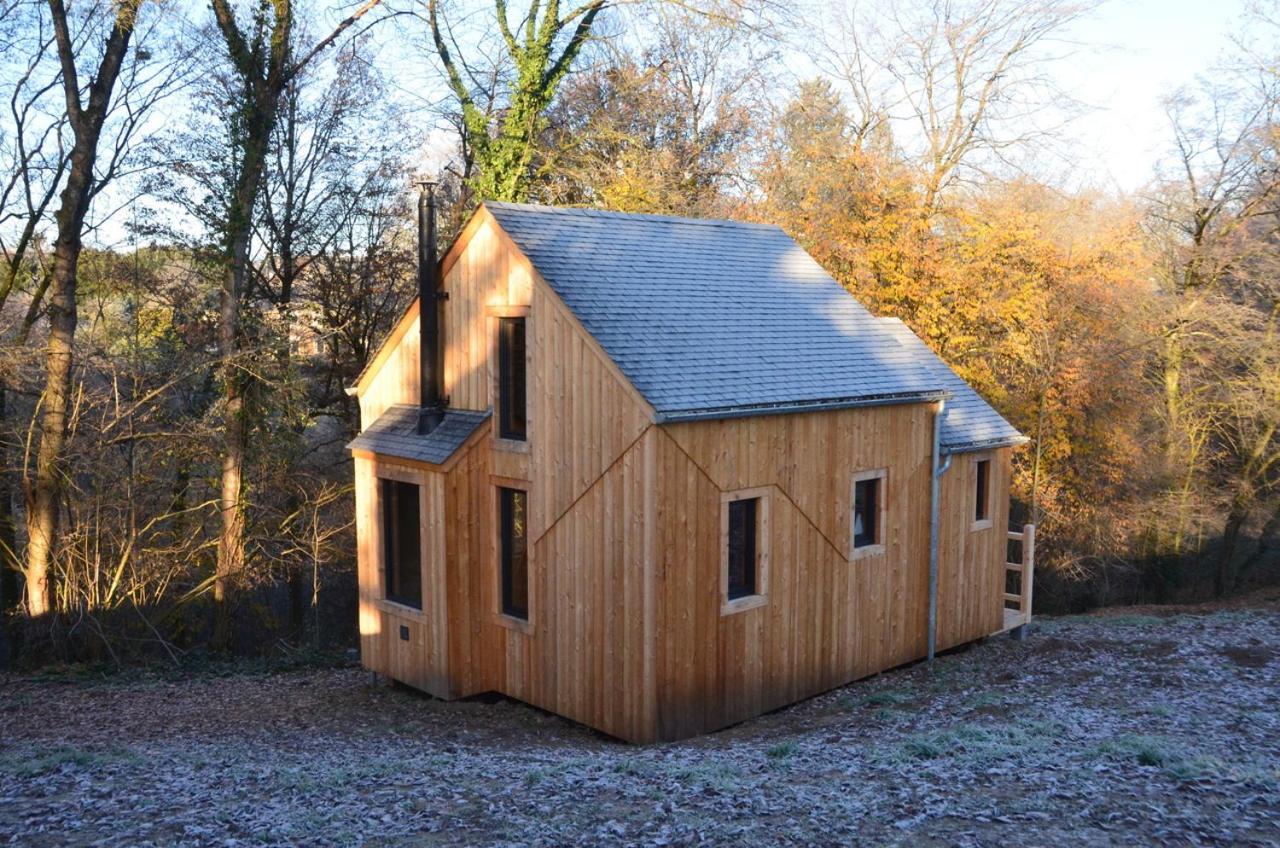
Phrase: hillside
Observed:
(1123, 727)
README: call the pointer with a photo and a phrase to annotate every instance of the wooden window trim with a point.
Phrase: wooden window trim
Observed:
(524, 626)
(506, 310)
(388, 605)
(972, 501)
(516, 397)
(399, 474)
(882, 517)
(495, 312)
(763, 536)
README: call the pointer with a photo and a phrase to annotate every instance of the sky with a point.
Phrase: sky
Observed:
(1129, 54)
(1136, 52)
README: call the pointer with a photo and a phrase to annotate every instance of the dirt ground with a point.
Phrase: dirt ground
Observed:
(1153, 726)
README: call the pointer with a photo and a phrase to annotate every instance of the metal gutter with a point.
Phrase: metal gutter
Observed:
(969, 447)
(715, 413)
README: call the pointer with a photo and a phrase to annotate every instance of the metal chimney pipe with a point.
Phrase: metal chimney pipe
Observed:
(431, 336)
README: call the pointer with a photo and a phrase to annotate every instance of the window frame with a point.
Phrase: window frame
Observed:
(978, 494)
(876, 548)
(382, 477)
(502, 402)
(501, 613)
(762, 496)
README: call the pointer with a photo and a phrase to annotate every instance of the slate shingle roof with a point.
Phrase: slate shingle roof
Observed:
(710, 319)
(395, 433)
(968, 422)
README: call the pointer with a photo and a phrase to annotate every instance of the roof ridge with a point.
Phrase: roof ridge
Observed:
(592, 212)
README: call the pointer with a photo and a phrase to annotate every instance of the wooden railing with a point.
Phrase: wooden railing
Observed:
(1019, 614)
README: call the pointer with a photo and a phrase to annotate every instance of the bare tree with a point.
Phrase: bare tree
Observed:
(35, 160)
(966, 79)
(665, 129)
(263, 62)
(86, 111)
(1214, 216)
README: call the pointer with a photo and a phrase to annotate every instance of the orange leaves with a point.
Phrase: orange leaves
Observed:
(1039, 300)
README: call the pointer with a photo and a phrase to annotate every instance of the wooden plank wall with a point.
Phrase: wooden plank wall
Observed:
(971, 562)
(584, 416)
(476, 645)
(396, 381)
(828, 619)
(591, 652)
(582, 655)
(420, 661)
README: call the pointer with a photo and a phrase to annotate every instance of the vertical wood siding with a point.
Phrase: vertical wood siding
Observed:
(971, 569)
(419, 661)
(828, 619)
(626, 631)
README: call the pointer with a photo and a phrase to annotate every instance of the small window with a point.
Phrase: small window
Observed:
(742, 547)
(402, 543)
(513, 509)
(982, 490)
(511, 379)
(866, 513)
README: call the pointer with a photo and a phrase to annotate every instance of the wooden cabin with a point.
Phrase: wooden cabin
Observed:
(682, 478)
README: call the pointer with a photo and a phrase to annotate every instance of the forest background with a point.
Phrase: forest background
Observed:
(206, 229)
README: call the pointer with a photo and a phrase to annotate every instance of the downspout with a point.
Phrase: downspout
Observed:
(939, 466)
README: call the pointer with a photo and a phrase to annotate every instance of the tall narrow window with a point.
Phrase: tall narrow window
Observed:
(742, 547)
(513, 509)
(402, 543)
(982, 493)
(511, 379)
(866, 512)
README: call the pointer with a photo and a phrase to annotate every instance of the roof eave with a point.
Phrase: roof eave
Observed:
(791, 407)
(985, 444)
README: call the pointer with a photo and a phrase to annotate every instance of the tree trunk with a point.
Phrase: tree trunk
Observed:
(1171, 366)
(299, 596)
(1269, 532)
(86, 122)
(264, 76)
(1224, 579)
(42, 522)
(235, 383)
(10, 566)
(235, 440)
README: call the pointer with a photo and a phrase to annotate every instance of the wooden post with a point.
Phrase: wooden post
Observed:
(1028, 568)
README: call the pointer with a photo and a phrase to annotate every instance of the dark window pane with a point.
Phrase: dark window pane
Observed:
(513, 509)
(401, 540)
(511, 379)
(981, 510)
(866, 512)
(742, 548)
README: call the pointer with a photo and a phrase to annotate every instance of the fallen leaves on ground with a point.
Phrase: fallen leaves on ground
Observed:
(1097, 730)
